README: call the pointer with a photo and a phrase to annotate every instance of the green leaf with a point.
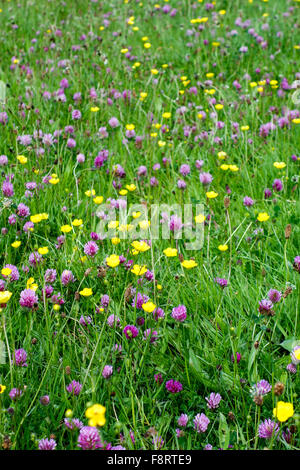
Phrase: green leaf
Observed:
(289, 343)
(2, 92)
(224, 432)
(2, 353)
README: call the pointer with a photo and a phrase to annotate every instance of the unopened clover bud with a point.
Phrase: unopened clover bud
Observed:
(278, 389)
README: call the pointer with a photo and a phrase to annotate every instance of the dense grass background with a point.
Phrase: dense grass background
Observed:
(220, 322)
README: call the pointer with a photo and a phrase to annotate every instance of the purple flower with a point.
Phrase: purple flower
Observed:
(185, 169)
(91, 248)
(3, 160)
(73, 423)
(113, 321)
(15, 393)
(292, 368)
(139, 300)
(274, 295)
(107, 372)
(74, 388)
(28, 298)
(113, 122)
(34, 258)
(179, 313)
(67, 277)
(152, 334)
(85, 321)
(89, 438)
(130, 331)
(50, 276)
(213, 400)
(221, 281)
(158, 378)
(22, 210)
(45, 400)
(205, 178)
(261, 388)
(14, 275)
(105, 300)
(173, 386)
(76, 114)
(268, 429)
(183, 420)
(201, 422)
(297, 263)
(20, 357)
(47, 444)
(208, 447)
(237, 357)
(277, 185)
(158, 442)
(295, 359)
(7, 189)
(265, 307)
(248, 202)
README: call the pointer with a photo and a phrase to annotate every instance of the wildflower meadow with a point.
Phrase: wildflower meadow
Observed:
(149, 225)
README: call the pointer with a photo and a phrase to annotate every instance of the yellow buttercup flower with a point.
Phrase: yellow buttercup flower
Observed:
(189, 264)
(16, 244)
(96, 415)
(22, 159)
(166, 115)
(2, 388)
(43, 250)
(219, 107)
(77, 222)
(283, 411)
(263, 217)
(131, 187)
(86, 292)
(136, 215)
(123, 192)
(66, 228)
(138, 270)
(149, 307)
(170, 252)
(54, 181)
(98, 199)
(147, 45)
(113, 224)
(35, 219)
(233, 168)
(222, 155)
(113, 261)
(94, 109)
(224, 167)
(5, 295)
(6, 271)
(115, 240)
(140, 246)
(211, 194)
(279, 165)
(245, 128)
(90, 192)
(223, 247)
(31, 285)
(144, 224)
(200, 218)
